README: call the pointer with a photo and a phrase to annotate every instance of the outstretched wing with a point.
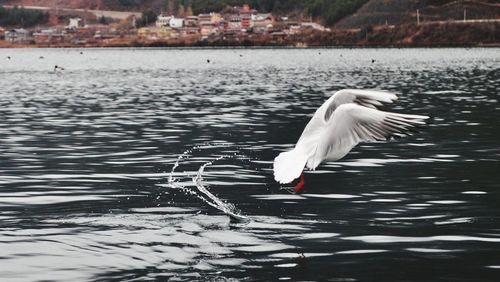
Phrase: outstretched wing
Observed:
(366, 98)
(351, 123)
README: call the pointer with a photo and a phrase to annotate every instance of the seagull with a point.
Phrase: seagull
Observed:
(348, 117)
(56, 67)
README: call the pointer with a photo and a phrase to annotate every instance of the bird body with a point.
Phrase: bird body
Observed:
(347, 118)
(56, 67)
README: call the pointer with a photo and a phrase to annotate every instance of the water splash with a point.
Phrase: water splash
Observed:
(210, 199)
(225, 207)
(186, 153)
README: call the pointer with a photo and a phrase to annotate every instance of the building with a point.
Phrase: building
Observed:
(166, 33)
(191, 21)
(143, 32)
(169, 21)
(163, 20)
(312, 25)
(212, 18)
(209, 24)
(104, 34)
(207, 30)
(262, 28)
(264, 19)
(294, 29)
(263, 23)
(18, 34)
(49, 36)
(223, 24)
(176, 22)
(75, 23)
(204, 19)
(189, 31)
(155, 33)
(246, 21)
(234, 22)
(83, 32)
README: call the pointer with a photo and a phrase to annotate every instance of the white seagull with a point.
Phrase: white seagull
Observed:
(347, 118)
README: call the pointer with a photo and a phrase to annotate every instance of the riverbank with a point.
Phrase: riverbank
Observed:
(438, 34)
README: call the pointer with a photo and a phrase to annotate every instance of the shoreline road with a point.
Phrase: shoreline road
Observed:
(98, 13)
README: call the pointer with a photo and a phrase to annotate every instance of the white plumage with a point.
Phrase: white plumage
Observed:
(347, 118)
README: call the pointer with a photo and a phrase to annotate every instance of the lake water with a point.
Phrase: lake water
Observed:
(125, 166)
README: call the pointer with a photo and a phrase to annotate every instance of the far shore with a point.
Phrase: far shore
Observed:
(404, 36)
(161, 45)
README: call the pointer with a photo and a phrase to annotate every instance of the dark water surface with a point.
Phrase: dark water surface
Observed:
(124, 167)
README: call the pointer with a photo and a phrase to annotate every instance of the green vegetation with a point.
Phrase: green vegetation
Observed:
(103, 20)
(336, 10)
(147, 17)
(129, 2)
(22, 17)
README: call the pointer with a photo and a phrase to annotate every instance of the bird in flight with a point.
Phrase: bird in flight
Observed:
(347, 118)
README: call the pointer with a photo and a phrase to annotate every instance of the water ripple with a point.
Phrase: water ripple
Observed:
(138, 164)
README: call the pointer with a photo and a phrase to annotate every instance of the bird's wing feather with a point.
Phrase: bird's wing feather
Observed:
(289, 165)
(352, 123)
(366, 98)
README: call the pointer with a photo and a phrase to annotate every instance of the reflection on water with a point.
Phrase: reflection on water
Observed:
(126, 165)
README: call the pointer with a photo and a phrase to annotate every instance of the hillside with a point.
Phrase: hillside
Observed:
(326, 11)
(397, 12)
(113, 5)
(344, 14)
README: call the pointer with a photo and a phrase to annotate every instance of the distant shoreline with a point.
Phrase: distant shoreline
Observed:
(222, 47)
(439, 35)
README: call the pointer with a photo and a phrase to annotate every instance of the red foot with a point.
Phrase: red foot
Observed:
(301, 183)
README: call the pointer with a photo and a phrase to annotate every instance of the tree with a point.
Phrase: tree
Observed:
(170, 7)
(147, 17)
(22, 17)
(103, 20)
(189, 11)
(181, 12)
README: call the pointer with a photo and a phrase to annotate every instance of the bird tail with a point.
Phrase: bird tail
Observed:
(289, 165)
